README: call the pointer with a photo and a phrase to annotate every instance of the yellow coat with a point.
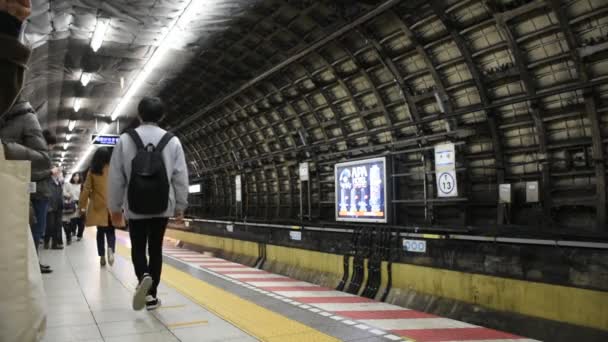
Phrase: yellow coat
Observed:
(93, 199)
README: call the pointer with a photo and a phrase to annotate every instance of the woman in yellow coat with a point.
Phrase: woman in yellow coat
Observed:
(93, 204)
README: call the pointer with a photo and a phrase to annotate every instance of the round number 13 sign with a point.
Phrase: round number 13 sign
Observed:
(447, 183)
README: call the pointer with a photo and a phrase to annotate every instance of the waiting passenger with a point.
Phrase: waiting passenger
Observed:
(93, 203)
(71, 194)
(53, 220)
(23, 139)
(149, 204)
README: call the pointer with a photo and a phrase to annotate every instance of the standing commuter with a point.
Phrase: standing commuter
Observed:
(53, 218)
(23, 139)
(93, 203)
(71, 193)
(13, 55)
(149, 179)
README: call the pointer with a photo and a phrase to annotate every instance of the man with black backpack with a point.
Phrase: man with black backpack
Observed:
(149, 180)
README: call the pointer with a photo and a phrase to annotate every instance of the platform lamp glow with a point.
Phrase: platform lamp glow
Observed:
(77, 102)
(85, 78)
(71, 125)
(99, 33)
(173, 34)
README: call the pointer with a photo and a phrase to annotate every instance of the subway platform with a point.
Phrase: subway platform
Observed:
(206, 298)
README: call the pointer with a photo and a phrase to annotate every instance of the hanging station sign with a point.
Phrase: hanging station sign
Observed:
(445, 170)
(105, 139)
(361, 191)
(304, 172)
(238, 187)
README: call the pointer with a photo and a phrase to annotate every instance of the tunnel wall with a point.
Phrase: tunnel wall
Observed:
(522, 306)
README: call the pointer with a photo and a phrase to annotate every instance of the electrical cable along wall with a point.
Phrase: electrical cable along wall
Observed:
(518, 87)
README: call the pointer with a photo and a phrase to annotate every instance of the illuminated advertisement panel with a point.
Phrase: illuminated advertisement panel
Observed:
(361, 191)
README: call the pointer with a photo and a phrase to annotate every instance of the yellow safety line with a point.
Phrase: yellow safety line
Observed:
(186, 324)
(254, 319)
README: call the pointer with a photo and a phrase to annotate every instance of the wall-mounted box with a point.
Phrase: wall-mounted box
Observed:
(505, 193)
(532, 192)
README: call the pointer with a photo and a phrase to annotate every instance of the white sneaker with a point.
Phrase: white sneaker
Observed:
(152, 303)
(110, 256)
(139, 298)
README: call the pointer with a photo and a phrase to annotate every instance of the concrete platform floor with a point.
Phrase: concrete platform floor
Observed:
(206, 298)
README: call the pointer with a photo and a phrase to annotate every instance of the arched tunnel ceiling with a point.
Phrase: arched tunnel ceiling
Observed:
(520, 87)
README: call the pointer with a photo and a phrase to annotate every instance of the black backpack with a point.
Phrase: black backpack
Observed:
(148, 191)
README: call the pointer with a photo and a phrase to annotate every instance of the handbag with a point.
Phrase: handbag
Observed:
(22, 299)
(69, 206)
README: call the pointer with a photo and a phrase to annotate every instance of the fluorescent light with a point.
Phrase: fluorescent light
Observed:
(194, 189)
(85, 78)
(99, 33)
(200, 9)
(122, 83)
(65, 146)
(72, 124)
(173, 34)
(62, 155)
(68, 137)
(77, 104)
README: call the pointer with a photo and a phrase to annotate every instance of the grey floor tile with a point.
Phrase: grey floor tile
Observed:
(70, 334)
(138, 326)
(69, 319)
(149, 337)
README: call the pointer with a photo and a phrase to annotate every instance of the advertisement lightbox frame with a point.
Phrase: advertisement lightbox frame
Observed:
(385, 191)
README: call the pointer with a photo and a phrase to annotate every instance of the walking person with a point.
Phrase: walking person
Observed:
(93, 204)
(148, 169)
(55, 211)
(71, 195)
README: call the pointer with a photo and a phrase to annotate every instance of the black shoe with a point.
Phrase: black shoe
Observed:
(79, 238)
(46, 245)
(46, 270)
(45, 266)
(58, 247)
(152, 302)
(69, 242)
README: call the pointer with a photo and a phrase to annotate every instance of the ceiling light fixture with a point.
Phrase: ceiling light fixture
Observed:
(68, 137)
(171, 36)
(71, 125)
(77, 104)
(62, 155)
(122, 83)
(85, 78)
(99, 33)
(65, 146)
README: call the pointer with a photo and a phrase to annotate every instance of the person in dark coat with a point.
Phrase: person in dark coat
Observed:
(54, 215)
(13, 55)
(22, 138)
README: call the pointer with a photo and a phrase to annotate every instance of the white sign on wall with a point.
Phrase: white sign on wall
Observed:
(445, 170)
(296, 236)
(304, 172)
(416, 246)
(238, 186)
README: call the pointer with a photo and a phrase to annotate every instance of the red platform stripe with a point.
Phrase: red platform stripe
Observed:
(242, 272)
(384, 314)
(267, 279)
(326, 300)
(454, 334)
(294, 288)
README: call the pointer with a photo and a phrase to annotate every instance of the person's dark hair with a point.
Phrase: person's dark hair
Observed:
(51, 139)
(151, 109)
(101, 158)
(74, 176)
